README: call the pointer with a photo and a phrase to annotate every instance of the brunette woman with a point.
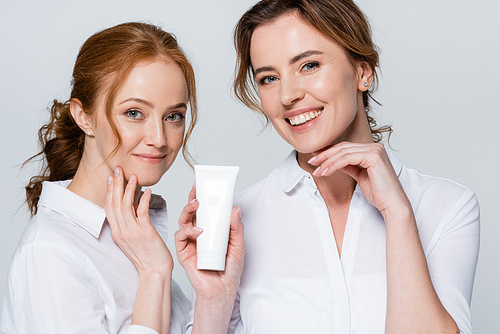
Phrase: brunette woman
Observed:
(342, 237)
(93, 258)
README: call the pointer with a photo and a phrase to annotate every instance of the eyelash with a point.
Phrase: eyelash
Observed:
(128, 113)
(181, 117)
(263, 82)
(314, 64)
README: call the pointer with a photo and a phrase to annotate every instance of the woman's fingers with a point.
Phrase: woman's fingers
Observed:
(347, 154)
(236, 236)
(143, 207)
(127, 205)
(183, 237)
(108, 206)
(188, 214)
(192, 193)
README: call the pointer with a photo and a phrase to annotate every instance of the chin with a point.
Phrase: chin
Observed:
(144, 179)
(147, 180)
(310, 148)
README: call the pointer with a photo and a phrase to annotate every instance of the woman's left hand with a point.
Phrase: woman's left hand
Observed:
(370, 166)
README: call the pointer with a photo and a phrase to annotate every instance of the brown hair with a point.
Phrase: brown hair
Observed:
(103, 63)
(340, 20)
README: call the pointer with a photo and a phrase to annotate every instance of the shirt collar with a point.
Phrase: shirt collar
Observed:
(290, 173)
(82, 212)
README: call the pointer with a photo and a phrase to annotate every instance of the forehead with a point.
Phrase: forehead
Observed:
(287, 36)
(161, 81)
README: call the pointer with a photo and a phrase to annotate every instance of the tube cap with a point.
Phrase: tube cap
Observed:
(211, 261)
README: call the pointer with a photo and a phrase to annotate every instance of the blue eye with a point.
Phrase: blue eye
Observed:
(133, 113)
(310, 66)
(267, 79)
(175, 117)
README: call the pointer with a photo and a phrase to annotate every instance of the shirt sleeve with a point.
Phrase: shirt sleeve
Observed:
(50, 289)
(452, 261)
(233, 322)
(235, 315)
(180, 307)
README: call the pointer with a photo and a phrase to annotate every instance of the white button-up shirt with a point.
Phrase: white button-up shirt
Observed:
(293, 280)
(67, 274)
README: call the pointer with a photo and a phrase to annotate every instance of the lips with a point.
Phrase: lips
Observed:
(152, 159)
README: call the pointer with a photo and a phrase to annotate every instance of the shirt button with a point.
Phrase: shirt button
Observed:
(356, 214)
(348, 254)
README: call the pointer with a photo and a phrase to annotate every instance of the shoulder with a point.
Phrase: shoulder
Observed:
(443, 209)
(263, 188)
(48, 237)
(426, 191)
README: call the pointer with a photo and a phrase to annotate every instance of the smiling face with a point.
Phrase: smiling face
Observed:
(308, 88)
(149, 111)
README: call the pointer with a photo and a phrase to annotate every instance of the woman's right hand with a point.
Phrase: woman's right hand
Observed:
(210, 284)
(131, 227)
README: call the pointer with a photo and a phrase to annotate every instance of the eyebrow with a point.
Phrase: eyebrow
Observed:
(135, 99)
(304, 55)
(178, 105)
(291, 62)
(151, 105)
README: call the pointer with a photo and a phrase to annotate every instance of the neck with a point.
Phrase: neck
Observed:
(339, 186)
(336, 188)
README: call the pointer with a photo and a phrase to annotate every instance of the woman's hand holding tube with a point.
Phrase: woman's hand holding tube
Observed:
(215, 290)
(132, 231)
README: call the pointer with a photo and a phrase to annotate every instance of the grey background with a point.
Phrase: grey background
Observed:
(439, 90)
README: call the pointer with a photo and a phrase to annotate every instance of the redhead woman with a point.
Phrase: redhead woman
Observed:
(342, 237)
(93, 258)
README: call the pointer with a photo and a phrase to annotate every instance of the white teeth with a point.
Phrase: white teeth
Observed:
(304, 118)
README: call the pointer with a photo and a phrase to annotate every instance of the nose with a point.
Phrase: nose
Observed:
(291, 90)
(156, 135)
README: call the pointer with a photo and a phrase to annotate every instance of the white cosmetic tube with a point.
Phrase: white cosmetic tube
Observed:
(214, 191)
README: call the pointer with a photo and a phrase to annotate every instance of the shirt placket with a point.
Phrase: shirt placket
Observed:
(338, 286)
(351, 236)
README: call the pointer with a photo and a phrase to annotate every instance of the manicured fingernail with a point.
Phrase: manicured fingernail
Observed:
(197, 229)
(147, 191)
(239, 213)
(117, 172)
(317, 169)
(110, 180)
(312, 159)
(132, 179)
(192, 201)
(324, 172)
(194, 184)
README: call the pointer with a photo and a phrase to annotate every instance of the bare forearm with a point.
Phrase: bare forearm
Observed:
(413, 305)
(212, 316)
(152, 304)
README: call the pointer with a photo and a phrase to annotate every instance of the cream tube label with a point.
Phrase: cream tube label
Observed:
(214, 191)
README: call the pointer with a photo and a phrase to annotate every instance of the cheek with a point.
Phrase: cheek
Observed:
(175, 138)
(339, 91)
(269, 101)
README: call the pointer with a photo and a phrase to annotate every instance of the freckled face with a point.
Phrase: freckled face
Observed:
(307, 86)
(149, 110)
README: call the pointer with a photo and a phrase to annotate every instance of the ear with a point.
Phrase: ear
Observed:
(365, 75)
(81, 118)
